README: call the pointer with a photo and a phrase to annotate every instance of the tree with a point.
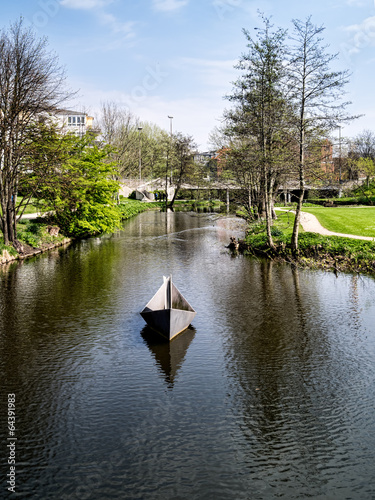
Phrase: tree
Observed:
(79, 191)
(242, 161)
(182, 160)
(261, 110)
(130, 138)
(46, 151)
(31, 85)
(119, 129)
(316, 93)
(361, 162)
(364, 145)
(154, 147)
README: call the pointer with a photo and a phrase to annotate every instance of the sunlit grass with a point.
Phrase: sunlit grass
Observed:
(348, 220)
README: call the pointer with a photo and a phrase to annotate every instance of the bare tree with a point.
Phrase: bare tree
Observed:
(31, 86)
(131, 138)
(120, 130)
(364, 145)
(361, 161)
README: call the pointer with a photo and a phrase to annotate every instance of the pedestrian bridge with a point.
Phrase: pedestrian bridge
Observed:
(129, 185)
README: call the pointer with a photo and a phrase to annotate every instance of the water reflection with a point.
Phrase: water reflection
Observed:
(272, 396)
(297, 371)
(169, 356)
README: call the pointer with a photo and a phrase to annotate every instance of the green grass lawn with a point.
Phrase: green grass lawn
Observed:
(285, 222)
(30, 209)
(349, 220)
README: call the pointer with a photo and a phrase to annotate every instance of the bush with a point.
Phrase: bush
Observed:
(29, 232)
(129, 208)
(275, 231)
(9, 249)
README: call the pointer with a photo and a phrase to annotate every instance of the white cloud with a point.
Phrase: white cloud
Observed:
(367, 25)
(362, 36)
(116, 25)
(106, 19)
(169, 5)
(84, 4)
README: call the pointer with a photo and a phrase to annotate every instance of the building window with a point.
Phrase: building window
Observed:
(76, 120)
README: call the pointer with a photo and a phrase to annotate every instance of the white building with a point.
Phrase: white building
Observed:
(76, 122)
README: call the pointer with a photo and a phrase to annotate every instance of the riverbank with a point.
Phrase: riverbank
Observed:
(319, 248)
(37, 236)
(316, 252)
(9, 254)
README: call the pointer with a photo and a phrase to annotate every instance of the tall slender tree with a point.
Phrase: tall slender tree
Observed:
(261, 109)
(316, 92)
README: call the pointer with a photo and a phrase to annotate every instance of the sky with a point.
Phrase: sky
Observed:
(160, 58)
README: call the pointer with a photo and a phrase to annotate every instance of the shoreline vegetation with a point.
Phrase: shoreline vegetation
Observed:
(38, 234)
(316, 251)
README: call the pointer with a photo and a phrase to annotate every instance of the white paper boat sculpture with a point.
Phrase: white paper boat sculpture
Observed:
(168, 312)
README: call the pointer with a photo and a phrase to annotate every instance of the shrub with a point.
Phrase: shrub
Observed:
(29, 232)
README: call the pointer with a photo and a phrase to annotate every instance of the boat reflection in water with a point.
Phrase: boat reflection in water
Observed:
(169, 356)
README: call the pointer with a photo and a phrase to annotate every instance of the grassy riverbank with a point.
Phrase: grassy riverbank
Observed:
(37, 236)
(316, 251)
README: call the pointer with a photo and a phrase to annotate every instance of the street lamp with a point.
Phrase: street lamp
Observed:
(140, 155)
(340, 154)
(171, 118)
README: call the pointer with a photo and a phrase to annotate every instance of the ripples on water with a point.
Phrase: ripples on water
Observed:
(269, 395)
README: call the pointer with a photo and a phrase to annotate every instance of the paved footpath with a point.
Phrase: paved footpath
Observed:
(311, 224)
(31, 216)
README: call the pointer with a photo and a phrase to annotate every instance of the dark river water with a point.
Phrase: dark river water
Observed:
(270, 394)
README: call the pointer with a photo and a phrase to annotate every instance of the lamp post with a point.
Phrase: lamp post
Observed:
(340, 189)
(171, 118)
(140, 155)
(340, 154)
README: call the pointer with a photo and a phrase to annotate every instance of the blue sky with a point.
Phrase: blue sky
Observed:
(176, 57)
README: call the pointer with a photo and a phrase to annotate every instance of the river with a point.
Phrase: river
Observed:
(270, 394)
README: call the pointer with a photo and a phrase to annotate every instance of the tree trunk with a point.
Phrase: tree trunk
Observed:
(294, 241)
(174, 196)
(268, 201)
(297, 222)
(250, 202)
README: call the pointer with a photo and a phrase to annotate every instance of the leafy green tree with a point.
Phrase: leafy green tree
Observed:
(183, 165)
(81, 193)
